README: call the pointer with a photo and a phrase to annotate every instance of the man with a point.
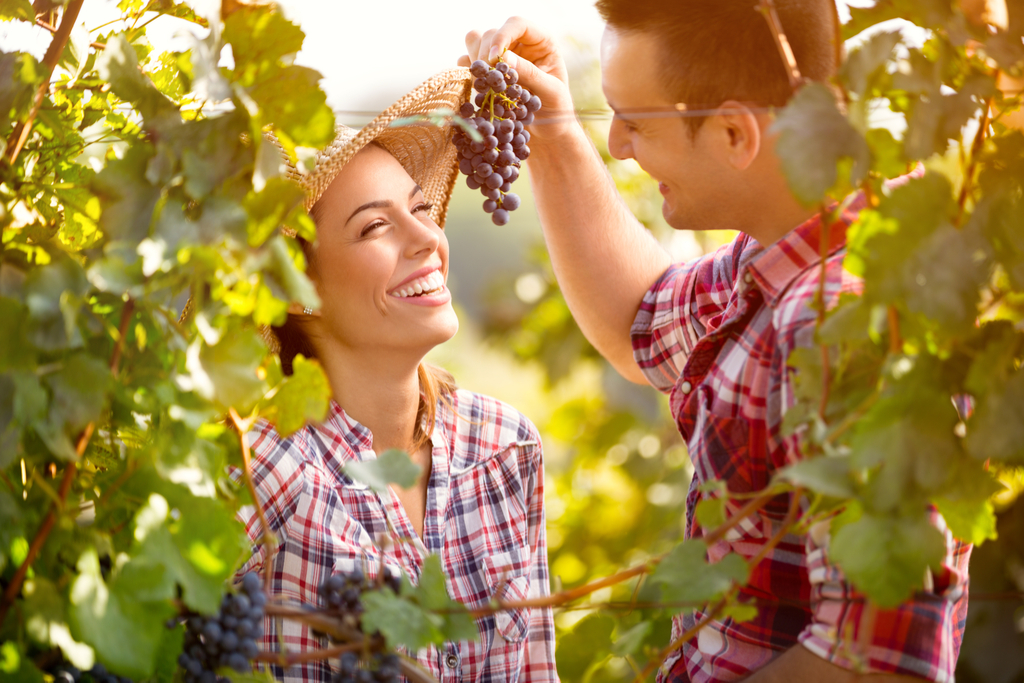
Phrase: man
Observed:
(715, 333)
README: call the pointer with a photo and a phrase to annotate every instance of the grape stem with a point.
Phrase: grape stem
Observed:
(972, 165)
(268, 538)
(14, 587)
(19, 135)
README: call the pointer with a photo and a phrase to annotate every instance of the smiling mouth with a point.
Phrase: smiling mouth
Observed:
(431, 283)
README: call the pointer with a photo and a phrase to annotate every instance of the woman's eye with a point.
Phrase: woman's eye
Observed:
(371, 227)
(426, 206)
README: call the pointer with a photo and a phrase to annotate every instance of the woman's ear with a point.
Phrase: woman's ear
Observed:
(741, 134)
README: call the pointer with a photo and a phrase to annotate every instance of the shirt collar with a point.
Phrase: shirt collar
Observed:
(777, 266)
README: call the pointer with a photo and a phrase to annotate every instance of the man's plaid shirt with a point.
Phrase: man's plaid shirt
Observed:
(484, 518)
(715, 334)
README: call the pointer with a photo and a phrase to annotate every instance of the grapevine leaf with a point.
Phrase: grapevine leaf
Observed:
(867, 60)
(431, 592)
(301, 398)
(886, 153)
(925, 13)
(630, 641)
(400, 621)
(391, 467)
(118, 65)
(16, 666)
(52, 293)
(886, 557)
(994, 364)
(124, 632)
(259, 40)
(126, 196)
(847, 322)
(268, 208)
(227, 373)
(583, 646)
(285, 274)
(829, 476)
(686, 576)
(46, 622)
(996, 430)
(970, 521)
(710, 512)
(739, 612)
(813, 138)
(1000, 217)
(79, 396)
(293, 100)
(17, 9)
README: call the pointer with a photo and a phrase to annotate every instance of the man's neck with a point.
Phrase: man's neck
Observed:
(770, 227)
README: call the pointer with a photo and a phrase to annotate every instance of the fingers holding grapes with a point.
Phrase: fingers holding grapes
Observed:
(535, 57)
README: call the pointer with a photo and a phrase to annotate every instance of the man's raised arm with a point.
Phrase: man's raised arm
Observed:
(604, 259)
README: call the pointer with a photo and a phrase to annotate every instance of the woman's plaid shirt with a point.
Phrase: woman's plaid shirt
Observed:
(715, 334)
(484, 518)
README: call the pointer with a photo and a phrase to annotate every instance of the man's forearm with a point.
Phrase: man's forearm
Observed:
(800, 665)
(604, 259)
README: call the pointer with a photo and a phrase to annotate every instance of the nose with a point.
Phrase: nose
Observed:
(422, 236)
(619, 145)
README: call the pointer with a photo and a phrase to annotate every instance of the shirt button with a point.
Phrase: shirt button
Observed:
(452, 660)
(748, 278)
(686, 387)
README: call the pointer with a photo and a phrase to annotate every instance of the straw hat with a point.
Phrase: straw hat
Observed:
(423, 149)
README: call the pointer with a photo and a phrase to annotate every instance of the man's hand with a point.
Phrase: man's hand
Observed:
(535, 57)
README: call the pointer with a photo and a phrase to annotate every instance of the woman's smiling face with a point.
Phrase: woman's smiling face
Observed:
(381, 262)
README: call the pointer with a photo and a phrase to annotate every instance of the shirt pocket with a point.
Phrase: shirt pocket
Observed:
(491, 498)
(509, 581)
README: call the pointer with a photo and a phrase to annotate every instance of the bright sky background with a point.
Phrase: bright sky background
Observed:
(371, 53)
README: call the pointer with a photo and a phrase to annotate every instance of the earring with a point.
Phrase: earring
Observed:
(308, 310)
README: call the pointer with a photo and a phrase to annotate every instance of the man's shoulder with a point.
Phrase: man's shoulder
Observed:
(797, 309)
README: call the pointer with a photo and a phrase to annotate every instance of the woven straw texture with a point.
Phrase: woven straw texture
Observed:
(423, 149)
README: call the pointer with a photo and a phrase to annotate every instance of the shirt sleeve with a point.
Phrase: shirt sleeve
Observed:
(678, 309)
(539, 658)
(919, 638)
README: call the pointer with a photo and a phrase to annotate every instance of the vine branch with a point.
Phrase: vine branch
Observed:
(19, 135)
(14, 587)
(268, 538)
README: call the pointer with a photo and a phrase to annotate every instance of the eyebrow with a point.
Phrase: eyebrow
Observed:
(380, 204)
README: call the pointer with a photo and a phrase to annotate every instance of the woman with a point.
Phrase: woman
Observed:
(380, 265)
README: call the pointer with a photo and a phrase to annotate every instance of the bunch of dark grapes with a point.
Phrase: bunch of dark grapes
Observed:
(227, 638)
(499, 113)
(343, 596)
(98, 674)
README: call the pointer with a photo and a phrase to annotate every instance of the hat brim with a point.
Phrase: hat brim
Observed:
(424, 149)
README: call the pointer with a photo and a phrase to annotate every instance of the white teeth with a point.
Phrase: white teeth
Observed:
(428, 283)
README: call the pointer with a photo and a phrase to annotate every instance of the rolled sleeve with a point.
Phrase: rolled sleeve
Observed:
(919, 638)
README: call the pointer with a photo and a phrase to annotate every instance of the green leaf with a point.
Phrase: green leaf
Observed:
(400, 621)
(813, 138)
(739, 612)
(996, 430)
(127, 198)
(52, 296)
(124, 632)
(260, 39)
(391, 467)
(829, 476)
(285, 274)
(16, 666)
(925, 13)
(17, 9)
(868, 60)
(269, 207)
(970, 521)
(46, 622)
(586, 644)
(886, 556)
(431, 592)
(301, 398)
(685, 575)
(630, 641)
(292, 99)
(710, 512)
(118, 65)
(227, 372)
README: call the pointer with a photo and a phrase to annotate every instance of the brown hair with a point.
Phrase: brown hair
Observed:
(435, 383)
(718, 50)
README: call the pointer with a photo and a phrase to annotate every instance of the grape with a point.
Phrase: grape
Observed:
(226, 638)
(372, 663)
(499, 112)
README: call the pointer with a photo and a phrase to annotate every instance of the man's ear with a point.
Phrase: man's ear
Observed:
(740, 133)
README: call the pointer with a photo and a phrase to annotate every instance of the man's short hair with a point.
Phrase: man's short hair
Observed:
(718, 50)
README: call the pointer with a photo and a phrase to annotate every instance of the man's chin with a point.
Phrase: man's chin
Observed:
(674, 217)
